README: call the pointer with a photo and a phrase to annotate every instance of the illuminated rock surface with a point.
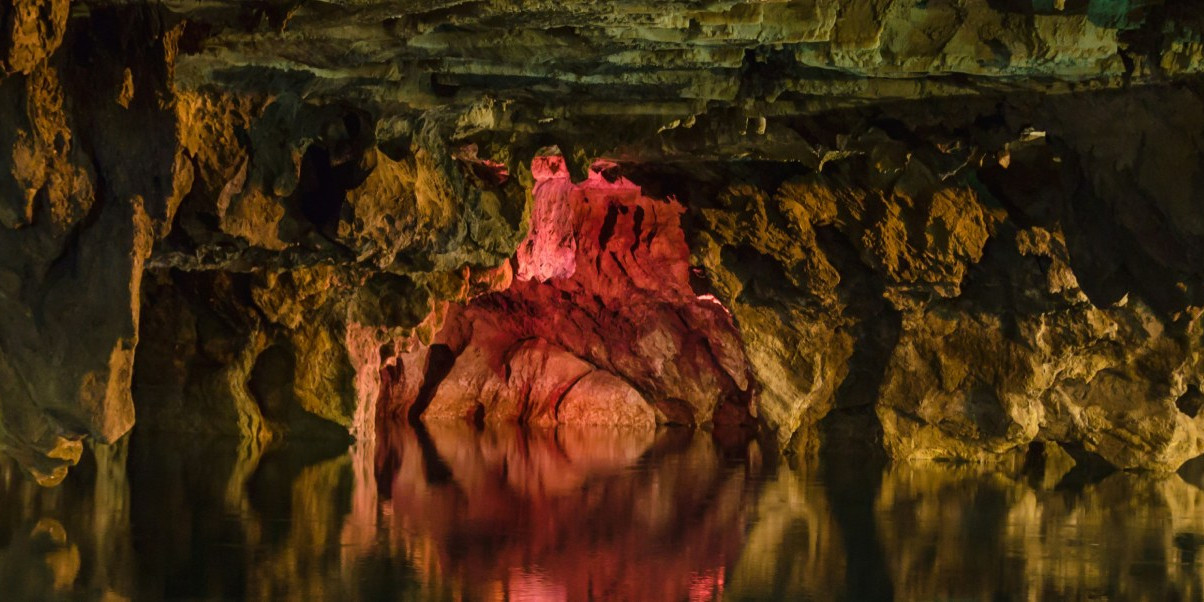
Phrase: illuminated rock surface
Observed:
(609, 333)
(953, 230)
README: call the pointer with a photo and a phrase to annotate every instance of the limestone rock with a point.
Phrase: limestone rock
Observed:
(975, 221)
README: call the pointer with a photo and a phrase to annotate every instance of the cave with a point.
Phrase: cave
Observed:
(681, 300)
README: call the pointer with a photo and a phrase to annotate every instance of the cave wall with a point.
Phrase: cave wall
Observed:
(974, 224)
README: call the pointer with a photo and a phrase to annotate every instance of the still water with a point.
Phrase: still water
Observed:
(454, 513)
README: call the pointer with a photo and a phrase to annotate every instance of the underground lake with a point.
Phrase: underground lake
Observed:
(453, 512)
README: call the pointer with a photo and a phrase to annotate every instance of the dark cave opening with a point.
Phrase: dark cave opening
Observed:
(1191, 401)
(340, 160)
(320, 194)
(271, 382)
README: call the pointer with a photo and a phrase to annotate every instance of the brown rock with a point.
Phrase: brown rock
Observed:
(979, 225)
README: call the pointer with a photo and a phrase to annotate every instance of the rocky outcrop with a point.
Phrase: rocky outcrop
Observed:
(599, 326)
(975, 221)
(977, 304)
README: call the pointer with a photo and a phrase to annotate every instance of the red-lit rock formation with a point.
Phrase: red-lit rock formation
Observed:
(600, 325)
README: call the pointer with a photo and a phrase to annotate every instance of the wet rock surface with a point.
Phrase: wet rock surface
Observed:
(970, 228)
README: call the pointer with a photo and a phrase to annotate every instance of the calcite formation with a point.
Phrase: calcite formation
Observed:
(968, 228)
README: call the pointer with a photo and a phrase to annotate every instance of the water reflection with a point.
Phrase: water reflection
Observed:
(568, 514)
(454, 513)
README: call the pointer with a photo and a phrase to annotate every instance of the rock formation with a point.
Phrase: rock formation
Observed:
(969, 225)
(599, 326)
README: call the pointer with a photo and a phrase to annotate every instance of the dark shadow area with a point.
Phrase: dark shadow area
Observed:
(180, 519)
(440, 360)
(1192, 471)
(271, 383)
(320, 196)
(339, 161)
(1191, 401)
(1089, 469)
(434, 469)
(853, 475)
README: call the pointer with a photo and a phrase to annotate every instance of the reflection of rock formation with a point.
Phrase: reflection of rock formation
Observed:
(794, 549)
(217, 518)
(955, 532)
(614, 513)
(71, 540)
(943, 531)
(563, 513)
(573, 513)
